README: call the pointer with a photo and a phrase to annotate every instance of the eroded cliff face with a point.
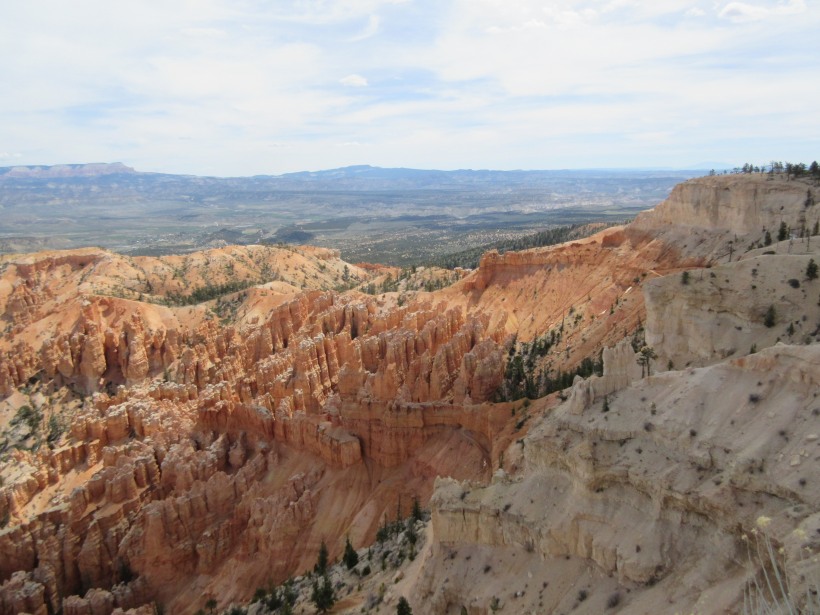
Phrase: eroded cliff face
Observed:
(590, 290)
(660, 493)
(97, 319)
(208, 459)
(743, 204)
(712, 314)
(654, 494)
(223, 465)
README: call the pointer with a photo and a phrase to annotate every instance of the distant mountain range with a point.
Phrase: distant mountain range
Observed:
(358, 177)
(367, 212)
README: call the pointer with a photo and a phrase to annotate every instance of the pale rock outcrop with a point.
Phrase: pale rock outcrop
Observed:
(721, 312)
(740, 203)
(621, 368)
(671, 478)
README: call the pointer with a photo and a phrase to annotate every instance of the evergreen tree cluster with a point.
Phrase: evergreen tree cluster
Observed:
(322, 594)
(279, 600)
(399, 525)
(391, 284)
(792, 169)
(522, 378)
(207, 292)
(469, 259)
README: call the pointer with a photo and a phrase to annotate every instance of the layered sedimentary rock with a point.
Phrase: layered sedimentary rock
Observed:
(734, 309)
(665, 487)
(176, 465)
(208, 459)
(747, 205)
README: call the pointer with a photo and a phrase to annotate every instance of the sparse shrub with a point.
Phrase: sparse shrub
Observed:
(54, 429)
(28, 415)
(605, 407)
(529, 545)
(648, 426)
(794, 283)
(684, 278)
(582, 595)
(613, 600)
(769, 591)
(259, 595)
(754, 398)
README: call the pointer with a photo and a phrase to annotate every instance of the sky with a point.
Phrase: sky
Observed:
(243, 87)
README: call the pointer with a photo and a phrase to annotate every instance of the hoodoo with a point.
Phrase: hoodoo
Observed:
(626, 421)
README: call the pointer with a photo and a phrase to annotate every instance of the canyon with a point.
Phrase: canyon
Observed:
(184, 428)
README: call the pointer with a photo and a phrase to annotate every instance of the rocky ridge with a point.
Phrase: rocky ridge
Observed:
(211, 469)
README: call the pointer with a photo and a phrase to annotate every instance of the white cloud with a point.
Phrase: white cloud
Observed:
(249, 87)
(354, 81)
(740, 12)
(370, 29)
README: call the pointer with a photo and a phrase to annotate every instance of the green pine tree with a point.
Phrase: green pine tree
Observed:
(416, 513)
(321, 562)
(811, 270)
(770, 317)
(350, 557)
(403, 607)
(323, 595)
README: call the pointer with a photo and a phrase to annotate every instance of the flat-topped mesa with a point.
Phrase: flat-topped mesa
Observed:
(743, 204)
(91, 169)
